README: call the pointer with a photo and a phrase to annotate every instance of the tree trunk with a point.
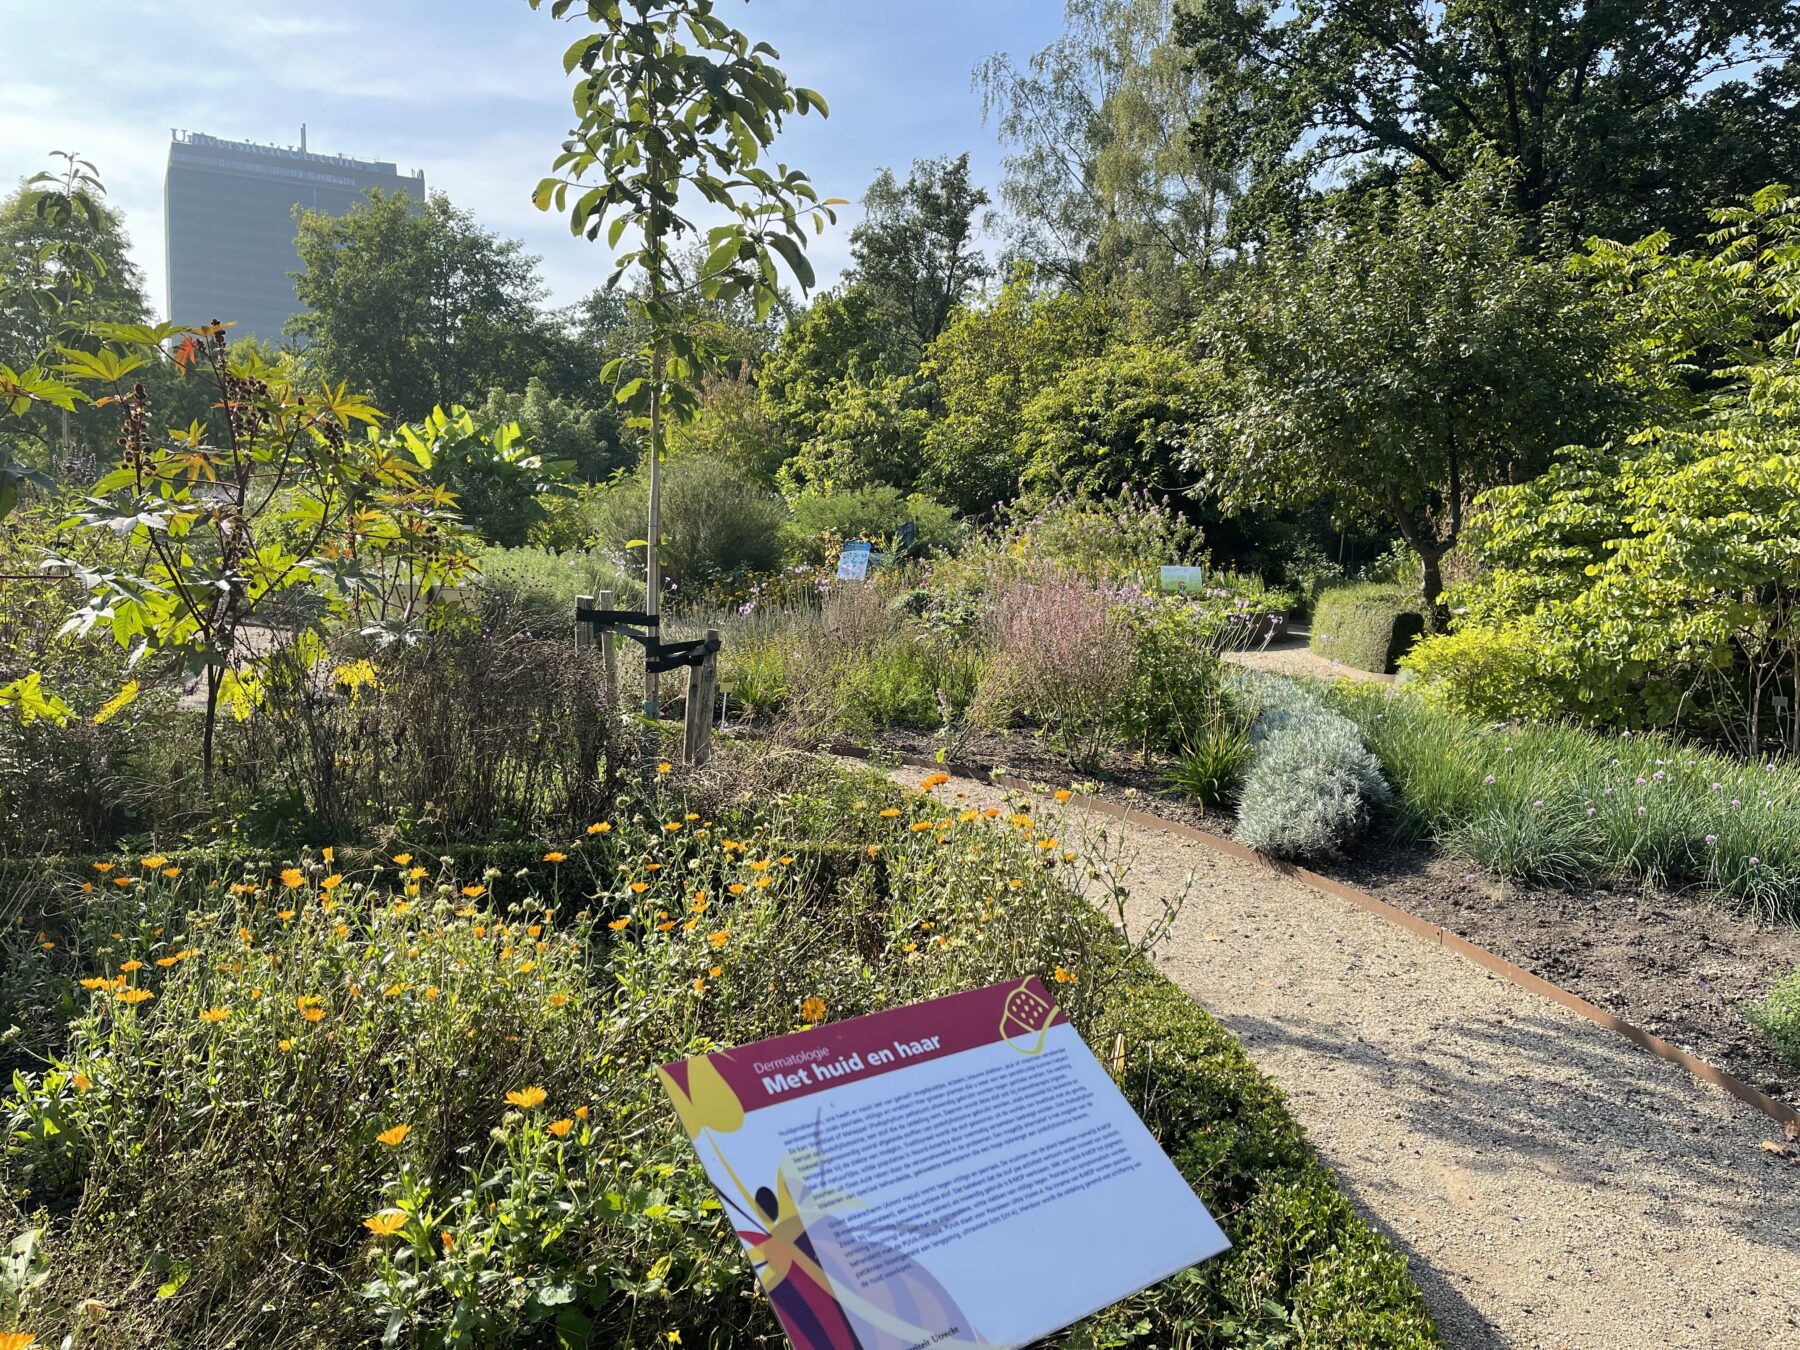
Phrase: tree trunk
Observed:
(1432, 591)
(206, 738)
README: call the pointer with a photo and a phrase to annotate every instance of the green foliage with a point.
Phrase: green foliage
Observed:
(1323, 395)
(990, 362)
(839, 340)
(819, 521)
(417, 304)
(872, 433)
(1367, 627)
(1209, 768)
(1124, 539)
(1126, 418)
(1777, 1016)
(1491, 674)
(716, 522)
(590, 440)
(538, 587)
(1655, 579)
(734, 425)
(1639, 806)
(1170, 699)
(1631, 118)
(498, 481)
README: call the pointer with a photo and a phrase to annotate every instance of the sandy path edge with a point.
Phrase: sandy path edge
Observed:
(1550, 1183)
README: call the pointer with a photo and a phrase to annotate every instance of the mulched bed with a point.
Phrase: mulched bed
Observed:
(1679, 966)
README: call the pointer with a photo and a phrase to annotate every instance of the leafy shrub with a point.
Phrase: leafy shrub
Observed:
(1124, 537)
(716, 521)
(1171, 695)
(1777, 1016)
(1062, 659)
(819, 521)
(1312, 785)
(1367, 627)
(541, 1190)
(1496, 674)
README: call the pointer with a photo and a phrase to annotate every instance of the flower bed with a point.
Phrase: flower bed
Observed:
(332, 1099)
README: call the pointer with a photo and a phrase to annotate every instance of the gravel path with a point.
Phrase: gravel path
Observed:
(1290, 655)
(1552, 1184)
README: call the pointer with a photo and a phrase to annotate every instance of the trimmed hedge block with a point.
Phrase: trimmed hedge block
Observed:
(1367, 627)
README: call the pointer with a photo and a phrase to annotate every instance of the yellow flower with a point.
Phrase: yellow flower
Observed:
(394, 1136)
(327, 853)
(293, 878)
(103, 868)
(527, 1099)
(124, 881)
(415, 874)
(473, 892)
(402, 859)
(559, 1128)
(1062, 976)
(1063, 794)
(98, 982)
(553, 856)
(171, 872)
(17, 1340)
(763, 881)
(581, 1113)
(600, 827)
(813, 1010)
(786, 860)
(888, 813)
(557, 1000)
(82, 1082)
(737, 888)
(934, 781)
(154, 863)
(699, 986)
(343, 930)
(665, 767)
(215, 1014)
(130, 966)
(716, 971)
(760, 865)
(719, 938)
(672, 826)
(874, 849)
(386, 1223)
(284, 914)
(665, 925)
(284, 1045)
(534, 929)
(134, 996)
(920, 826)
(327, 904)
(313, 1014)
(332, 882)
(620, 923)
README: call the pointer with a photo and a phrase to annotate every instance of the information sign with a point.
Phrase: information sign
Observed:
(853, 561)
(1183, 579)
(961, 1172)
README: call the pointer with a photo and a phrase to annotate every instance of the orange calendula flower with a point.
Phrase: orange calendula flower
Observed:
(284, 914)
(920, 826)
(560, 1128)
(665, 926)
(581, 1113)
(473, 892)
(124, 881)
(1063, 794)
(467, 912)
(737, 888)
(990, 813)
(716, 971)
(82, 1082)
(328, 853)
(639, 887)
(154, 863)
(386, 1223)
(171, 872)
(415, 874)
(97, 982)
(284, 1045)
(134, 996)
(759, 865)
(313, 1014)
(557, 1000)
(672, 826)
(763, 881)
(1062, 976)
(600, 827)
(215, 1014)
(888, 813)
(527, 1099)
(699, 986)
(394, 1136)
(936, 780)
(553, 856)
(873, 850)
(130, 966)
(720, 937)
(402, 859)
(665, 767)
(813, 1009)
(103, 868)
(343, 930)
(17, 1340)
(786, 860)
(534, 929)
(293, 878)
(619, 924)
(332, 882)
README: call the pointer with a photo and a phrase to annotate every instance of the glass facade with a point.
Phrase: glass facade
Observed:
(228, 222)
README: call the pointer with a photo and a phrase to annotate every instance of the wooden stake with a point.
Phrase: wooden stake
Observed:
(703, 688)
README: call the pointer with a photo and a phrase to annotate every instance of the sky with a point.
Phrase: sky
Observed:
(470, 91)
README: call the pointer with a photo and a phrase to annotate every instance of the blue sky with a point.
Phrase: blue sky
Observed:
(470, 91)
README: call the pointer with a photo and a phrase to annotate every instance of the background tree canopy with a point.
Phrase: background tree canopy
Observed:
(1632, 116)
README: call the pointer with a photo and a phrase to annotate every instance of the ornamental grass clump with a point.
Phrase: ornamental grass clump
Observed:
(1312, 785)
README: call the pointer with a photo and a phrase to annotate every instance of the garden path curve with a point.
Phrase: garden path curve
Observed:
(1550, 1183)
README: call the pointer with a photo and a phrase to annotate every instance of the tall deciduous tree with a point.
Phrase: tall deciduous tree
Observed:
(915, 251)
(1102, 178)
(673, 106)
(1625, 112)
(1407, 352)
(415, 301)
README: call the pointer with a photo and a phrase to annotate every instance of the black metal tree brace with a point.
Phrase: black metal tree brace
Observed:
(659, 657)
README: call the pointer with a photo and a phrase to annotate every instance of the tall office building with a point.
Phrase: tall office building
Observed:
(228, 224)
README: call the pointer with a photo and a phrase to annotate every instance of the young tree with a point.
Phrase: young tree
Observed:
(1407, 352)
(671, 105)
(415, 301)
(915, 252)
(1624, 112)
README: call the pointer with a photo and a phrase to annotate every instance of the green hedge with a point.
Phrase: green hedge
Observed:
(1367, 627)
